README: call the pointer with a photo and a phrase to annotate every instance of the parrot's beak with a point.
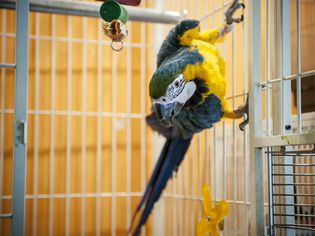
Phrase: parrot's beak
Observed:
(166, 112)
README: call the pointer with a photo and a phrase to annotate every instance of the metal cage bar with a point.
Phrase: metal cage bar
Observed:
(2, 117)
(291, 221)
(91, 9)
(20, 119)
(52, 126)
(255, 101)
(36, 123)
(69, 127)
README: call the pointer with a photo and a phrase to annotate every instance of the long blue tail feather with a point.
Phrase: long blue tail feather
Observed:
(153, 178)
(173, 153)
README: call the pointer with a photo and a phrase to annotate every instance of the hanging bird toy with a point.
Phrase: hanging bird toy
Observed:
(188, 92)
(212, 221)
(115, 17)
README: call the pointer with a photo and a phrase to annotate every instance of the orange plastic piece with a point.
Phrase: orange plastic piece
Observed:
(213, 217)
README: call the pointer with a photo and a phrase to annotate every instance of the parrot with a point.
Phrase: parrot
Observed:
(187, 92)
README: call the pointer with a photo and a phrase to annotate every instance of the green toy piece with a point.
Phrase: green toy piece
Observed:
(112, 10)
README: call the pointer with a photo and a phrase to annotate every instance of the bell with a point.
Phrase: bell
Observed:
(116, 30)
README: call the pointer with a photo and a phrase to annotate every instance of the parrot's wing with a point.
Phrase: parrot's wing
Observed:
(171, 44)
(171, 157)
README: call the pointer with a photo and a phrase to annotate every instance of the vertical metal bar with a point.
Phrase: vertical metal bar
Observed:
(83, 127)
(69, 108)
(2, 117)
(36, 123)
(311, 179)
(298, 60)
(207, 149)
(168, 217)
(224, 129)
(234, 133)
(206, 7)
(190, 7)
(52, 126)
(158, 222)
(281, 66)
(224, 167)
(214, 187)
(174, 201)
(244, 43)
(308, 188)
(286, 67)
(255, 109)
(21, 90)
(192, 188)
(270, 192)
(286, 106)
(186, 194)
(214, 140)
(267, 70)
(114, 143)
(199, 148)
(199, 173)
(128, 135)
(281, 109)
(143, 110)
(99, 127)
(180, 201)
(207, 132)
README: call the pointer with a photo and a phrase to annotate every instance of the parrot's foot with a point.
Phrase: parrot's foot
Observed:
(231, 10)
(240, 112)
(245, 112)
(221, 225)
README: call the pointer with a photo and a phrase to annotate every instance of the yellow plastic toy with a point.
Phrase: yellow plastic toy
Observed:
(212, 220)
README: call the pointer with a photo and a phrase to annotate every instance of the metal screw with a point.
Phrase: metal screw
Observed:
(288, 127)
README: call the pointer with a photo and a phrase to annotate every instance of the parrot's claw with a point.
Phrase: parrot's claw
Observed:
(245, 110)
(238, 20)
(221, 225)
(231, 10)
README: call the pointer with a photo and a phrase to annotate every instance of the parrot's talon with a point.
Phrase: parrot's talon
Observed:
(238, 20)
(221, 225)
(245, 110)
(243, 124)
(231, 10)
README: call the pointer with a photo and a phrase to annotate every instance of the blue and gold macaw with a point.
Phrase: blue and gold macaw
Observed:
(188, 95)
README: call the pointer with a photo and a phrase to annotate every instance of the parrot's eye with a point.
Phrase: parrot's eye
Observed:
(176, 84)
(163, 99)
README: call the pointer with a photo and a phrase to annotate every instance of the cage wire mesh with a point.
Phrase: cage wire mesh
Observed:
(291, 184)
(89, 151)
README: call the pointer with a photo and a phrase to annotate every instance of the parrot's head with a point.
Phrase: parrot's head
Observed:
(169, 93)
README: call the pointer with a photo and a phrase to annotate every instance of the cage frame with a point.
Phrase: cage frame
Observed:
(282, 135)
